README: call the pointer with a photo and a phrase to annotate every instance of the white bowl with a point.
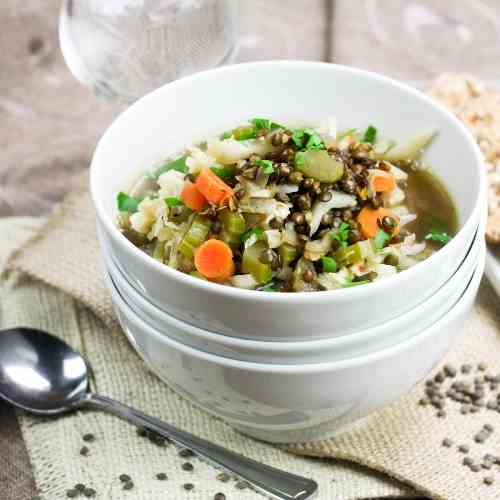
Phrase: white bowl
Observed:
(293, 403)
(187, 110)
(314, 351)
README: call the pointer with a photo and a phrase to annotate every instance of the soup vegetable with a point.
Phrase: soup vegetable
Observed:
(277, 208)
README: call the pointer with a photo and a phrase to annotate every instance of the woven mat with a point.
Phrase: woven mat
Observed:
(54, 445)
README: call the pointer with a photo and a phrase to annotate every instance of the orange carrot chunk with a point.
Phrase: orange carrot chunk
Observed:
(214, 260)
(383, 182)
(212, 187)
(369, 218)
(192, 197)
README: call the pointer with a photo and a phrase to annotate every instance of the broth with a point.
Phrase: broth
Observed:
(428, 198)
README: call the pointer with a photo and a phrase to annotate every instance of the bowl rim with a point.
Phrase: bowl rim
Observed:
(307, 368)
(352, 293)
(118, 280)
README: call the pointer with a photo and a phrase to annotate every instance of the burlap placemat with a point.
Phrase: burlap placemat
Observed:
(54, 445)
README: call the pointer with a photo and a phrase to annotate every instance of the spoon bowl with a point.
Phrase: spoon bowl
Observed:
(40, 373)
(45, 376)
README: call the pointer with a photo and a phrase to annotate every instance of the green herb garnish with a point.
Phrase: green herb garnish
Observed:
(342, 234)
(266, 165)
(223, 172)
(178, 164)
(265, 124)
(381, 238)
(257, 231)
(127, 203)
(370, 134)
(173, 201)
(268, 287)
(307, 138)
(439, 236)
(350, 283)
(227, 135)
(328, 264)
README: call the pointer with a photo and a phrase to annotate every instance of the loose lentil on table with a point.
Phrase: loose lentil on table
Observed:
(472, 393)
(84, 451)
(187, 466)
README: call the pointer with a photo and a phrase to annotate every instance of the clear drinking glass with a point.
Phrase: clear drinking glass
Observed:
(123, 49)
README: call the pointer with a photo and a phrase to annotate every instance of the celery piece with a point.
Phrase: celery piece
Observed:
(244, 133)
(251, 263)
(411, 150)
(288, 253)
(233, 222)
(159, 251)
(233, 226)
(319, 165)
(232, 240)
(195, 235)
(354, 253)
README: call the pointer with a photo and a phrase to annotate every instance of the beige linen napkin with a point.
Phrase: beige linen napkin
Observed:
(64, 254)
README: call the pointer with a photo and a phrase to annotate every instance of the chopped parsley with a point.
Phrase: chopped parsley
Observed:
(178, 164)
(265, 124)
(350, 283)
(381, 238)
(342, 234)
(266, 165)
(268, 287)
(370, 134)
(257, 231)
(328, 264)
(250, 131)
(127, 203)
(439, 236)
(307, 138)
(173, 201)
(223, 172)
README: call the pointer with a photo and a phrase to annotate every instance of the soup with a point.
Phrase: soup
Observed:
(278, 208)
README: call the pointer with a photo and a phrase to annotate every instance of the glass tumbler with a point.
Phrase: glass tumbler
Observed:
(123, 49)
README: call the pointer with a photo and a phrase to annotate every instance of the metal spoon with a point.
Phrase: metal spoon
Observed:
(43, 375)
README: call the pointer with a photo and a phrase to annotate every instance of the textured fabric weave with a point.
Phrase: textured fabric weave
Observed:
(68, 259)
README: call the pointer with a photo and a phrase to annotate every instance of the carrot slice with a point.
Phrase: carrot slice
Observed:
(369, 218)
(212, 187)
(383, 182)
(214, 260)
(192, 197)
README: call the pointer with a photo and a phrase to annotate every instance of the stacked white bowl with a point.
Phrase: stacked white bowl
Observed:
(279, 366)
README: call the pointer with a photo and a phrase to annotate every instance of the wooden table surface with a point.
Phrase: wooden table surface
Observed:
(49, 124)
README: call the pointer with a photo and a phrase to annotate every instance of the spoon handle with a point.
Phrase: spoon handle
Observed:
(279, 484)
